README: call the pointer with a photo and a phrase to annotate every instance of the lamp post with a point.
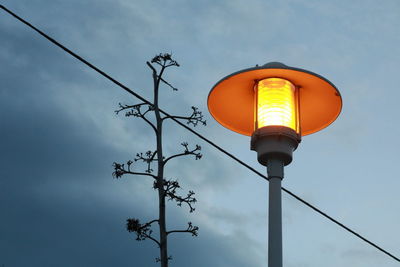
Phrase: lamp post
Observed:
(276, 105)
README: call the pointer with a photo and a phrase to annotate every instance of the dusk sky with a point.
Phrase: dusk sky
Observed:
(59, 134)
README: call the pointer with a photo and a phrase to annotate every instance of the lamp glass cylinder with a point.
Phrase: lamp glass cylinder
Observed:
(276, 104)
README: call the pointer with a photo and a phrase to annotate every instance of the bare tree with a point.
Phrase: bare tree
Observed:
(167, 188)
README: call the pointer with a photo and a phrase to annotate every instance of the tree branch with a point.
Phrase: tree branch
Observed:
(124, 107)
(189, 200)
(151, 67)
(119, 170)
(170, 188)
(187, 152)
(195, 118)
(143, 231)
(164, 61)
(135, 110)
(169, 258)
(155, 240)
(191, 229)
(167, 83)
(142, 173)
(148, 158)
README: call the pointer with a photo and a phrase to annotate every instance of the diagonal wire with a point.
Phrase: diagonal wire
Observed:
(194, 132)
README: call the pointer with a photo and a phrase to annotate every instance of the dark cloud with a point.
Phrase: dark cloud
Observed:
(57, 197)
(59, 203)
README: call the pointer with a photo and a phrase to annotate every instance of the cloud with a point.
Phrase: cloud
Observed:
(59, 139)
(59, 135)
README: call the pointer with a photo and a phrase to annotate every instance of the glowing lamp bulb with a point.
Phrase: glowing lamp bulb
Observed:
(276, 104)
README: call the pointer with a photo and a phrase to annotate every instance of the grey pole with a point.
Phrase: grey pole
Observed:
(275, 176)
(275, 146)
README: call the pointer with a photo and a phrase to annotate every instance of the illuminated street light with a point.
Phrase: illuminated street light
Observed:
(276, 105)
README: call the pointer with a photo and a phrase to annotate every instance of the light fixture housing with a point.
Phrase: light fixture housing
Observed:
(309, 103)
(231, 100)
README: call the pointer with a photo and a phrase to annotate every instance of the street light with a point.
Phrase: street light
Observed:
(276, 105)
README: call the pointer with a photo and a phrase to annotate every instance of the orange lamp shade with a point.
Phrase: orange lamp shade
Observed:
(243, 101)
(276, 104)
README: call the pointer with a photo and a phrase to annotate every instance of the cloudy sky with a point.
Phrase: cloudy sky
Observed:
(59, 134)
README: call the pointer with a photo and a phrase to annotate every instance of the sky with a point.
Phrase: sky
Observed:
(59, 134)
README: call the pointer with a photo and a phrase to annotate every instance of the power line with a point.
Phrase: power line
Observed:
(194, 132)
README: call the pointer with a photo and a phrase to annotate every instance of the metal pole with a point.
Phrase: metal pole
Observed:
(275, 176)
